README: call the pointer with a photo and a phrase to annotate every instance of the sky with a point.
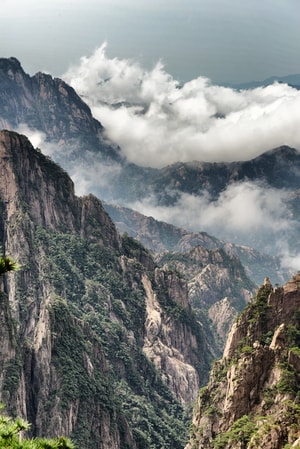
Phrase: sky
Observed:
(228, 41)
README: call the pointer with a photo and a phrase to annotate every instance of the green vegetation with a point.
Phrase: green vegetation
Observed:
(12, 436)
(7, 264)
(257, 310)
(97, 314)
(12, 374)
(133, 248)
(241, 432)
(288, 382)
(293, 336)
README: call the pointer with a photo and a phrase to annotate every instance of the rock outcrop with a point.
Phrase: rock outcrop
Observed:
(217, 284)
(251, 400)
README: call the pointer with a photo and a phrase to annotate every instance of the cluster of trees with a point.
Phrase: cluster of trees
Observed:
(13, 431)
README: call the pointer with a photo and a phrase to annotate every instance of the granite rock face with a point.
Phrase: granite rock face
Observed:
(251, 400)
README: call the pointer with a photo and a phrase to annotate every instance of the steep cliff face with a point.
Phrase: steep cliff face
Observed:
(50, 105)
(168, 335)
(252, 398)
(97, 343)
(217, 284)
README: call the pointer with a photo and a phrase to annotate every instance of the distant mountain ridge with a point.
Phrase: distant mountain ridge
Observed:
(292, 80)
(161, 237)
(52, 107)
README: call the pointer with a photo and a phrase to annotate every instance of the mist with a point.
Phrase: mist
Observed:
(157, 122)
(89, 173)
(246, 213)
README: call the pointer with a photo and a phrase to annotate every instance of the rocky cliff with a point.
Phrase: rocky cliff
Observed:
(252, 398)
(52, 107)
(221, 276)
(97, 343)
(217, 284)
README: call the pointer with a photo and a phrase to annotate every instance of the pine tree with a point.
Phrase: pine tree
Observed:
(11, 436)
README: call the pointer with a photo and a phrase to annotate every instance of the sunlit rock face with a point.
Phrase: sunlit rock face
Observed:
(251, 398)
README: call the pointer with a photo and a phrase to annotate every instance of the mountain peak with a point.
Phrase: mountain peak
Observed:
(10, 63)
(52, 107)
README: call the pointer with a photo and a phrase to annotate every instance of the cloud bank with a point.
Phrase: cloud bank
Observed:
(157, 122)
(245, 213)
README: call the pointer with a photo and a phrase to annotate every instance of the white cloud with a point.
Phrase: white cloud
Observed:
(92, 175)
(246, 213)
(36, 137)
(291, 261)
(160, 123)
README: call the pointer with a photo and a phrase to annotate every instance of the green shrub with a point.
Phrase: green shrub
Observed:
(11, 436)
(241, 431)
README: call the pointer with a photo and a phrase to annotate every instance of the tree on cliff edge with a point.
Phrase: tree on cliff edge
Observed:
(7, 264)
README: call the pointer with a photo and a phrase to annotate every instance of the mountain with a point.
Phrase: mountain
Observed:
(54, 108)
(50, 105)
(278, 168)
(274, 174)
(97, 342)
(292, 80)
(252, 398)
(217, 283)
(222, 277)
(79, 144)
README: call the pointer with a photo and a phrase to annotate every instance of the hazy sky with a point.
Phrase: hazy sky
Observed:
(225, 40)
